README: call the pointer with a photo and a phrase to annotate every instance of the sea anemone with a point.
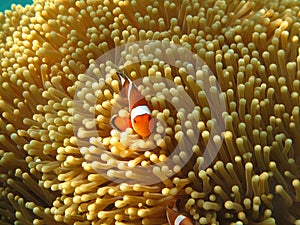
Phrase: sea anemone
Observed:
(59, 165)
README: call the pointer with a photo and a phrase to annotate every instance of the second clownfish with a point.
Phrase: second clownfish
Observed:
(140, 119)
(174, 218)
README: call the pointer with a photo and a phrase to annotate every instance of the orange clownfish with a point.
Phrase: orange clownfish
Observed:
(174, 218)
(140, 119)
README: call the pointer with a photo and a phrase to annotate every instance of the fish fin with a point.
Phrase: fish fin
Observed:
(122, 77)
(120, 123)
(171, 215)
(152, 124)
(175, 218)
(129, 90)
(124, 84)
(135, 97)
(159, 107)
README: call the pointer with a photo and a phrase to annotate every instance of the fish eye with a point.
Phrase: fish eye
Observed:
(134, 120)
(149, 117)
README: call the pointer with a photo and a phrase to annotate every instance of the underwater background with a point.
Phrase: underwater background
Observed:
(4, 5)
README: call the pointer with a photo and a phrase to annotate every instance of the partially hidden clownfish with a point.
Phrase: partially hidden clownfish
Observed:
(175, 218)
(140, 119)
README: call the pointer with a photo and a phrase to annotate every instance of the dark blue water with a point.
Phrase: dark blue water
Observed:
(6, 4)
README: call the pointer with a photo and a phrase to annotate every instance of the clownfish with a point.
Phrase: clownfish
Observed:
(174, 218)
(140, 119)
